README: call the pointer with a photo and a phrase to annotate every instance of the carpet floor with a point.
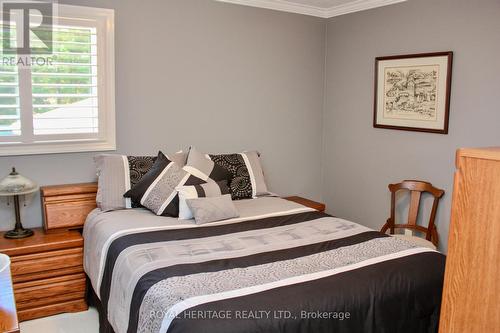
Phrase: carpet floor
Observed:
(81, 322)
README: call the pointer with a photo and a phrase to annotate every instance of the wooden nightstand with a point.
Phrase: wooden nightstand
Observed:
(308, 203)
(47, 273)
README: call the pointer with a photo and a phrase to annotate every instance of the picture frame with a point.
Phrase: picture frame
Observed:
(412, 92)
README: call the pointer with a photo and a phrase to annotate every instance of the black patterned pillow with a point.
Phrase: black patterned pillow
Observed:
(239, 183)
(119, 173)
(247, 178)
(157, 188)
(139, 166)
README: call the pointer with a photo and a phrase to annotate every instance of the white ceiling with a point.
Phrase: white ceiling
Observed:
(319, 8)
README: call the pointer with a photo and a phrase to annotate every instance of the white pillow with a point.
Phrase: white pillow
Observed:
(208, 190)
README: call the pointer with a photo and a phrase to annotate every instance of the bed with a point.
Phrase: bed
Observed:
(279, 267)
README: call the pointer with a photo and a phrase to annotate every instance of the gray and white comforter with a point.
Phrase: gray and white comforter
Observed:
(280, 267)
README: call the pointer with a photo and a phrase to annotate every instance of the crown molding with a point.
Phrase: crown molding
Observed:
(358, 6)
(290, 7)
(281, 5)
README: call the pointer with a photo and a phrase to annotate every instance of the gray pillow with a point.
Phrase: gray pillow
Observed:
(212, 209)
(116, 175)
(201, 166)
(180, 158)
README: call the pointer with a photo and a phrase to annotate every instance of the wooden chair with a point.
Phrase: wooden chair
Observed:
(416, 188)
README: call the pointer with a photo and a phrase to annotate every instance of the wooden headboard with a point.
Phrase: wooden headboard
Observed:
(66, 207)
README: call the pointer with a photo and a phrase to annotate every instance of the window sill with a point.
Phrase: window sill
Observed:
(55, 148)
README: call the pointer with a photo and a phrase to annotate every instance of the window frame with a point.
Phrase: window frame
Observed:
(103, 20)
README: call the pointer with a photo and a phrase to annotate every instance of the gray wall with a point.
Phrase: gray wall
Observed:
(226, 78)
(221, 77)
(360, 161)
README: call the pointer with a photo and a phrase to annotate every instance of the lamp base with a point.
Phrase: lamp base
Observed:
(18, 233)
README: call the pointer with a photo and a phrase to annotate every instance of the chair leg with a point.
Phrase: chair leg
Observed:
(385, 228)
(435, 237)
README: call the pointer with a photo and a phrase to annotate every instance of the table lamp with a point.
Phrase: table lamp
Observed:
(15, 185)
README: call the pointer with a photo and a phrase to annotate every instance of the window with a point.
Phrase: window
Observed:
(64, 101)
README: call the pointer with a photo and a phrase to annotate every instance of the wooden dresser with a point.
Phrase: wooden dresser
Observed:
(47, 273)
(471, 296)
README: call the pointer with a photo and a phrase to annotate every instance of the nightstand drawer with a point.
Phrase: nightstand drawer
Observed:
(67, 206)
(52, 309)
(47, 297)
(49, 291)
(54, 261)
(61, 215)
(62, 298)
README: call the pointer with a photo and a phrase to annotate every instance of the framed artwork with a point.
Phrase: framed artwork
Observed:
(412, 92)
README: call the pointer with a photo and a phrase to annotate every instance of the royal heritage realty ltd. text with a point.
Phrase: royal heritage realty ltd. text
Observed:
(255, 314)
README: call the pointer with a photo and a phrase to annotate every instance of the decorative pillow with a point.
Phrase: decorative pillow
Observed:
(210, 189)
(202, 167)
(212, 209)
(156, 190)
(119, 173)
(180, 158)
(247, 178)
(116, 175)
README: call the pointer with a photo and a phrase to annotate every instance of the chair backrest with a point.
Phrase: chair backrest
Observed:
(416, 188)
